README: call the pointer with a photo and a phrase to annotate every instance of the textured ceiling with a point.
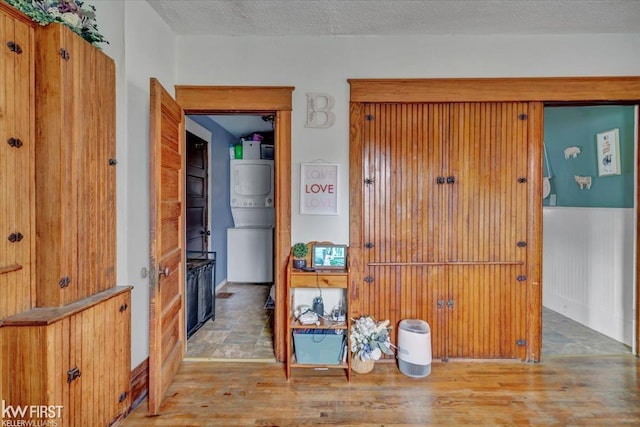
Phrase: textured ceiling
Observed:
(398, 17)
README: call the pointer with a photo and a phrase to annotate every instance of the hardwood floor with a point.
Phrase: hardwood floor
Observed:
(597, 391)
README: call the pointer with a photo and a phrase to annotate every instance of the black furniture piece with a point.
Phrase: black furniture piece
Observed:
(200, 295)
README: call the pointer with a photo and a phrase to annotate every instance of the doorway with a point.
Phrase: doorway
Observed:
(167, 179)
(259, 99)
(588, 231)
(242, 325)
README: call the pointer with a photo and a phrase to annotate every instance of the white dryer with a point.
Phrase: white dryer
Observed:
(250, 241)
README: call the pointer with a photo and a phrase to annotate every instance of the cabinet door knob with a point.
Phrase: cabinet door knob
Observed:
(73, 374)
(15, 237)
(14, 142)
(64, 54)
(14, 47)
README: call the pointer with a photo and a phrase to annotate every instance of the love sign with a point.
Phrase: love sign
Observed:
(319, 189)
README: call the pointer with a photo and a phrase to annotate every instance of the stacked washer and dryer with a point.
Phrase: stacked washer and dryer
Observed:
(250, 241)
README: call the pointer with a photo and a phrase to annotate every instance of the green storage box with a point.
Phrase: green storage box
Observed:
(318, 346)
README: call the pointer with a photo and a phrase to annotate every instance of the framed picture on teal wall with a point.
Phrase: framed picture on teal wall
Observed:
(608, 146)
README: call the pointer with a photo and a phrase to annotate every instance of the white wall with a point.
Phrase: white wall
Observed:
(588, 267)
(323, 64)
(143, 47)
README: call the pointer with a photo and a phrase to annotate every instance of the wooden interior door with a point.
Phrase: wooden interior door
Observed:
(167, 252)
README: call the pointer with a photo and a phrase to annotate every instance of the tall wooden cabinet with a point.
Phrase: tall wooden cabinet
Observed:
(451, 246)
(17, 148)
(65, 337)
(75, 168)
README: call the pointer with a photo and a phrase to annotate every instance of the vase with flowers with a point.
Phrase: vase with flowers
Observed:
(75, 14)
(369, 339)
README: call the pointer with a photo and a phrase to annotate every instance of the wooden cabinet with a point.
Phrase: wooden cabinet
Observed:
(17, 227)
(75, 358)
(450, 248)
(299, 279)
(75, 168)
(71, 353)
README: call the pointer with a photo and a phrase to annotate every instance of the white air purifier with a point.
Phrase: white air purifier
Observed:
(414, 348)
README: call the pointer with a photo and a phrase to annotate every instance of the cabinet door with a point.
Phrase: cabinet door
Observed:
(488, 201)
(487, 313)
(75, 179)
(444, 190)
(36, 359)
(17, 228)
(404, 228)
(99, 348)
(405, 213)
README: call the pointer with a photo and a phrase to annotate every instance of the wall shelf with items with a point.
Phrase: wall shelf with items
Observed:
(321, 344)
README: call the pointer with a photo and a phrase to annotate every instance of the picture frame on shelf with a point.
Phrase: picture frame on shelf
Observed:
(608, 152)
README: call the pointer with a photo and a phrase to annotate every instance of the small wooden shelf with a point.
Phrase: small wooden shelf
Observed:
(300, 279)
(295, 364)
(324, 324)
(318, 279)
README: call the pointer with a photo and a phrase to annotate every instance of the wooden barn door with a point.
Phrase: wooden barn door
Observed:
(444, 215)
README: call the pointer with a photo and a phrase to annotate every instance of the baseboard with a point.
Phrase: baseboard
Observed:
(139, 384)
(220, 285)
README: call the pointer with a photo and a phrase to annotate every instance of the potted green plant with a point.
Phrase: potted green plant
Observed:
(299, 252)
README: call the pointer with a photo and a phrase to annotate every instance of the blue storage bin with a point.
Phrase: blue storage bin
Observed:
(318, 346)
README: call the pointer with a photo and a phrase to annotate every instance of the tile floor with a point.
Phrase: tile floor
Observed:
(243, 330)
(562, 336)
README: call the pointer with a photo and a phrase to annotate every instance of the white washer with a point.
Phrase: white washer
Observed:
(250, 255)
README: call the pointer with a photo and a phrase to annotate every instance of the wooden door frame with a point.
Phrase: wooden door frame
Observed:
(275, 100)
(545, 90)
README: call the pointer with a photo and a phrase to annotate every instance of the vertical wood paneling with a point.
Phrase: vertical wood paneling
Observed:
(105, 135)
(40, 346)
(16, 166)
(75, 184)
(488, 205)
(488, 314)
(86, 218)
(452, 244)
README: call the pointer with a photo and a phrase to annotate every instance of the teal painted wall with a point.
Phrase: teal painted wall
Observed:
(577, 126)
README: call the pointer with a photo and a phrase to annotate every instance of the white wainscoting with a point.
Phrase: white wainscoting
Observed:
(588, 267)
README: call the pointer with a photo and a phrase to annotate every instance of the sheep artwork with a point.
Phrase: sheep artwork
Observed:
(583, 181)
(571, 152)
